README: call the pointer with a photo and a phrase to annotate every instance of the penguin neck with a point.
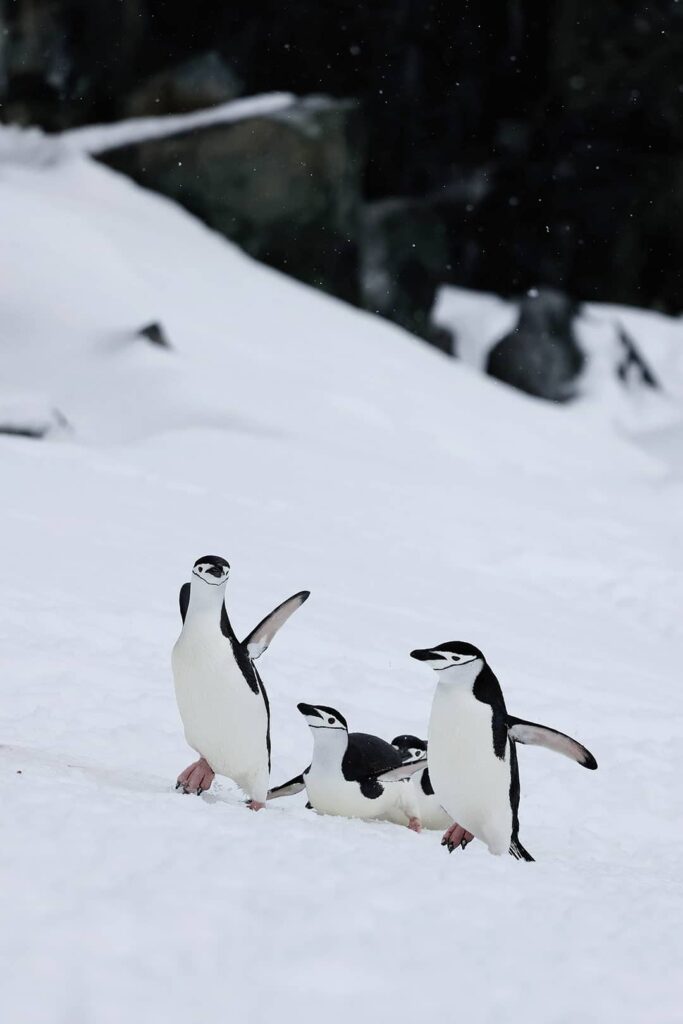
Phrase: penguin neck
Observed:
(329, 747)
(206, 600)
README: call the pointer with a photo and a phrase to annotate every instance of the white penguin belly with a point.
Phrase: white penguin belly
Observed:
(331, 794)
(224, 720)
(470, 782)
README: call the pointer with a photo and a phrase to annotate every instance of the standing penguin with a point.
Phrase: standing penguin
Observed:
(472, 755)
(354, 775)
(432, 814)
(221, 698)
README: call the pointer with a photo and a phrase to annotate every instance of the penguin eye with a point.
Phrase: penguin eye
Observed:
(331, 721)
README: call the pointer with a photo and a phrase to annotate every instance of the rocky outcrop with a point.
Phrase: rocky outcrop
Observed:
(503, 146)
(541, 355)
(404, 260)
(203, 81)
(286, 187)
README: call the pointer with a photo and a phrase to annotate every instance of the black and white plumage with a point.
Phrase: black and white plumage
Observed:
(472, 747)
(354, 775)
(221, 697)
(414, 750)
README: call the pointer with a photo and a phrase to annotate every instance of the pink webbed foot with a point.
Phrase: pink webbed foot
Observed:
(415, 825)
(456, 835)
(255, 805)
(196, 778)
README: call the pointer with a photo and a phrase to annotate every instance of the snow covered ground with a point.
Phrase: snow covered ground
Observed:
(314, 446)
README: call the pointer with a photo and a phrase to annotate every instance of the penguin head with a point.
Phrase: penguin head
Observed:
(412, 748)
(321, 717)
(452, 655)
(212, 570)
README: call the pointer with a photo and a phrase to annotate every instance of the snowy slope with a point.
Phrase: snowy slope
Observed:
(314, 446)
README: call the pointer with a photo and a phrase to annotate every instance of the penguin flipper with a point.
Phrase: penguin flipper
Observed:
(404, 771)
(259, 639)
(294, 785)
(184, 599)
(543, 736)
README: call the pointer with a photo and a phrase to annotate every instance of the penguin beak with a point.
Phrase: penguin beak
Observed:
(308, 709)
(427, 656)
(215, 570)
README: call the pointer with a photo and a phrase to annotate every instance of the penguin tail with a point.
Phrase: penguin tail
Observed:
(518, 851)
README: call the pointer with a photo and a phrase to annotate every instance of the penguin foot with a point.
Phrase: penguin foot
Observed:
(415, 825)
(255, 805)
(196, 778)
(456, 835)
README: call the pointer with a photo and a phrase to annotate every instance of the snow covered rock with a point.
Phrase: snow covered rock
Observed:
(30, 416)
(285, 184)
(203, 81)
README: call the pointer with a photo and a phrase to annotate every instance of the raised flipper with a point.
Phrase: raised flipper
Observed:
(184, 600)
(259, 639)
(294, 785)
(542, 736)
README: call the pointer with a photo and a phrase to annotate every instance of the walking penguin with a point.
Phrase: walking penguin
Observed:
(472, 750)
(221, 698)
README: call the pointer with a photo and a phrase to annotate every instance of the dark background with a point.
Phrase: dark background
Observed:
(525, 143)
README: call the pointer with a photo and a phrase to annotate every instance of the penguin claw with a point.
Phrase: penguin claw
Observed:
(196, 778)
(455, 836)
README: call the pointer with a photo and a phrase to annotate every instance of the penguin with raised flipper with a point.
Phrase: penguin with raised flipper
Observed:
(432, 815)
(472, 750)
(221, 698)
(353, 775)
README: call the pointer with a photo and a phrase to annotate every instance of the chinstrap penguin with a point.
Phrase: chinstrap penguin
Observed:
(353, 775)
(432, 814)
(221, 698)
(472, 750)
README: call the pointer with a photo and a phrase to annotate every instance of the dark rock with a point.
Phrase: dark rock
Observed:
(567, 114)
(285, 187)
(404, 257)
(541, 355)
(69, 62)
(4, 32)
(202, 81)
(155, 333)
(632, 366)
